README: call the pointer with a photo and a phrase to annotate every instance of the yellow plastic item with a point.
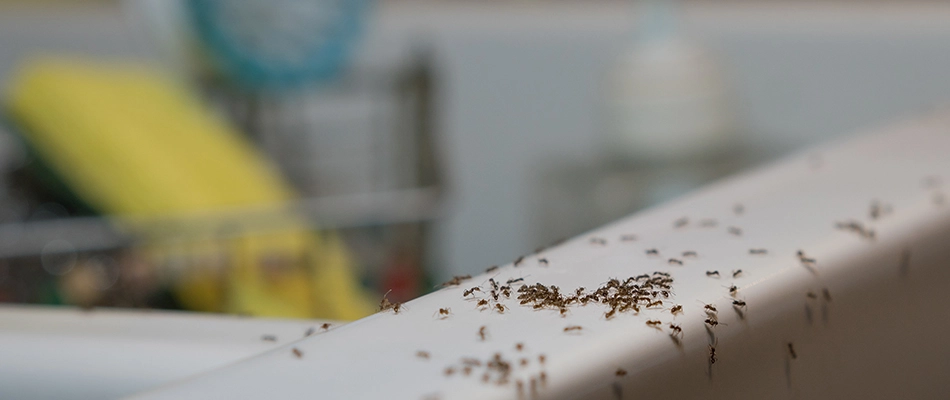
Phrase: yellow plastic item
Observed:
(134, 144)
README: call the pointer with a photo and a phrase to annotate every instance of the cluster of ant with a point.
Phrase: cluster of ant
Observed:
(495, 295)
(628, 295)
(856, 227)
(498, 370)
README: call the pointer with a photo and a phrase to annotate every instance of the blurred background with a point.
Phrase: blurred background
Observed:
(301, 158)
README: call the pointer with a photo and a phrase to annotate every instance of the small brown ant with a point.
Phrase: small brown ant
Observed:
(689, 254)
(653, 252)
(269, 338)
(519, 260)
(654, 323)
(444, 312)
(733, 290)
(456, 280)
(471, 291)
(466, 370)
(676, 329)
(658, 303)
(449, 371)
(712, 354)
(422, 354)
(710, 308)
(326, 326)
(758, 251)
(510, 281)
(738, 303)
(541, 359)
(712, 322)
(572, 328)
(482, 303)
(679, 223)
(500, 308)
(598, 241)
(620, 372)
(712, 273)
(674, 261)
(297, 352)
(676, 309)
(491, 269)
(519, 346)
(735, 231)
(736, 273)
(523, 362)
(791, 351)
(628, 238)
(543, 261)
(610, 314)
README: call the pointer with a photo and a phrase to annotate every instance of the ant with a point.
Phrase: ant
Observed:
(653, 252)
(518, 260)
(677, 330)
(658, 303)
(269, 338)
(674, 261)
(758, 251)
(471, 291)
(481, 303)
(467, 370)
(385, 304)
(563, 312)
(456, 280)
(310, 331)
(826, 294)
(510, 281)
(543, 261)
(610, 314)
(492, 268)
(735, 231)
(689, 254)
(598, 241)
(628, 238)
(736, 273)
(712, 354)
(500, 308)
(710, 309)
(620, 372)
(654, 323)
(326, 326)
(738, 303)
(541, 358)
(422, 354)
(297, 352)
(712, 273)
(570, 329)
(519, 346)
(523, 362)
(791, 351)
(679, 223)
(712, 322)
(803, 259)
(733, 290)
(676, 309)
(449, 371)
(444, 312)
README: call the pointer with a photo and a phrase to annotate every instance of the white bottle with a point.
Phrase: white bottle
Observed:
(667, 99)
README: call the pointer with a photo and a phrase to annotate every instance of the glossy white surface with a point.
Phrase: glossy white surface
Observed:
(879, 335)
(66, 353)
